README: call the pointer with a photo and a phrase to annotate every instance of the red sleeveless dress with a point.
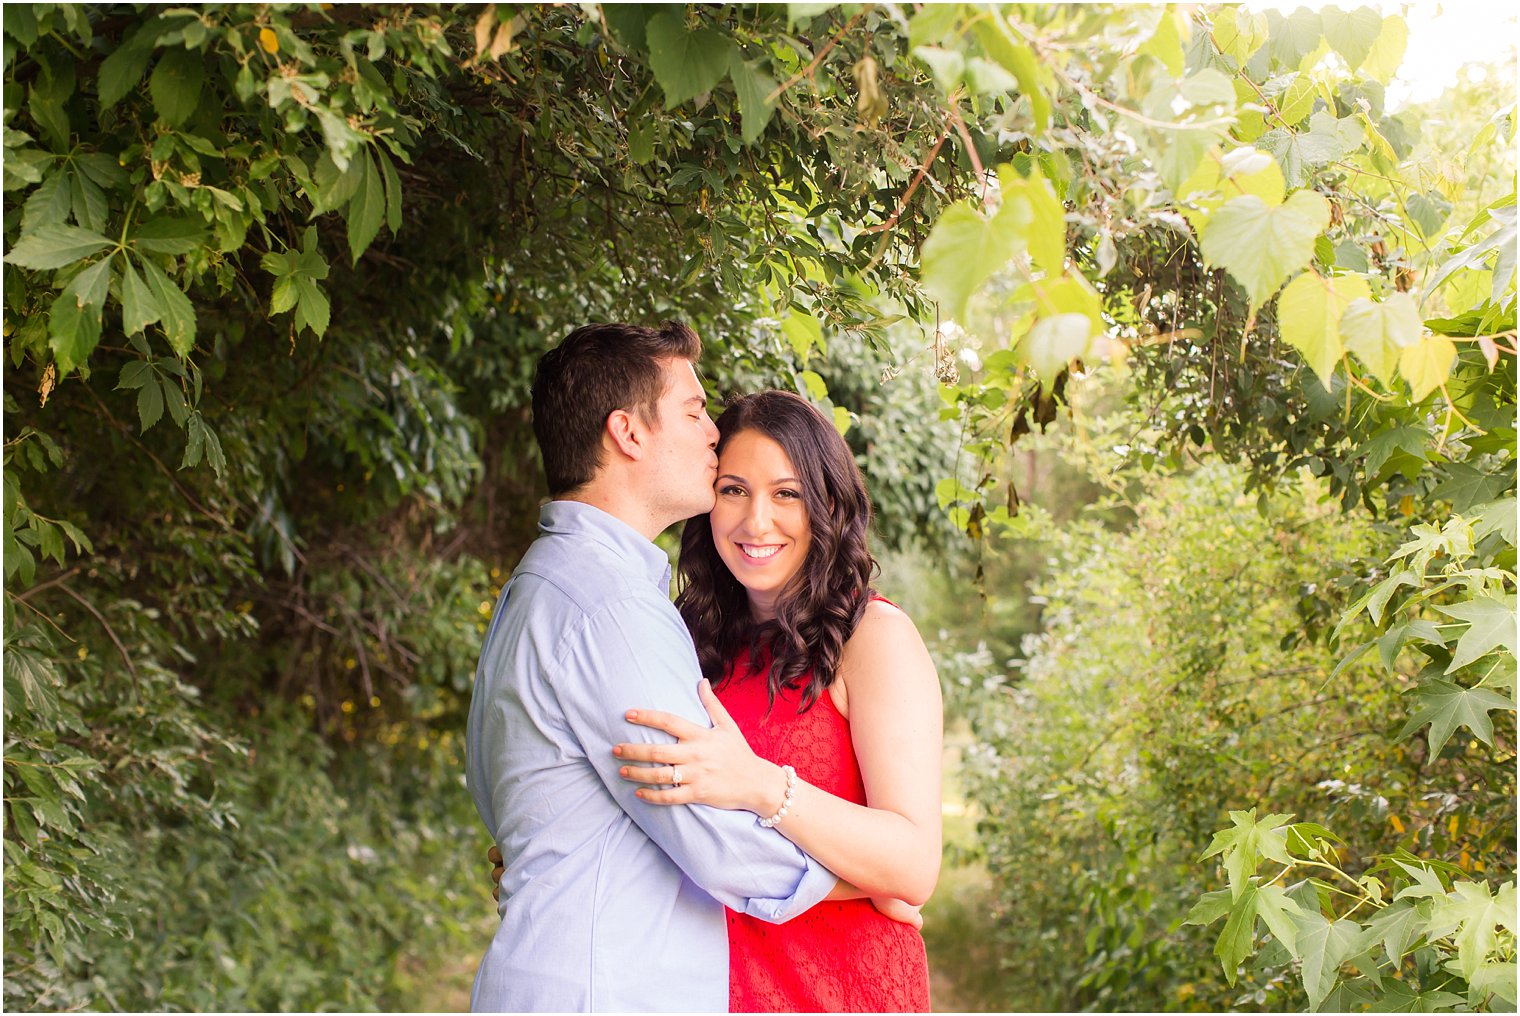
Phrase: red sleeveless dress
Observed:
(837, 957)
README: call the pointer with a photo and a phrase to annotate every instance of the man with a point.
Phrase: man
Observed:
(610, 904)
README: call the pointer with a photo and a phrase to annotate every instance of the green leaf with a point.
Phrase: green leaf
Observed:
(754, 87)
(1491, 626)
(947, 65)
(134, 374)
(964, 249)
(1278, 911)
(366, 210)
(685, 63)
(1475, 914)
(1399, 926)
(168, 235)
(1323, 945)
(641, 137)
(75, 319)
(1244, 841)
(1210, 907)
(123, 67)
(1235, 941)
(1260, 245)
(1376, 332)
(1352, 33)
(1466, 486)
(139, 308)
(843, 420)
(1309, 313)
(312, 308)
(54, 246)
(1044, 216)
(1446, 706)
(392, 193)
(804, 332)
(177, 315)
(1498, 517)
(1492, 979)
(176, 85)
(150, 405)
(813, 382)
(1014, 56)
(48, 204)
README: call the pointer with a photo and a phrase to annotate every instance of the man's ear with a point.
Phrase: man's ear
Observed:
(626, 432)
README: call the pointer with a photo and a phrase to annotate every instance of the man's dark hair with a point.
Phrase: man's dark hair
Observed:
(596, 370)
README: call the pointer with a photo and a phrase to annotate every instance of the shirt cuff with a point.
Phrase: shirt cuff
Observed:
(816, 883)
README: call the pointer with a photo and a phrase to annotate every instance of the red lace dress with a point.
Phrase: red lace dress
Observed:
(837, 957)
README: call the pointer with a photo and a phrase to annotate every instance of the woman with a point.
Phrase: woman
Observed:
(817, 674)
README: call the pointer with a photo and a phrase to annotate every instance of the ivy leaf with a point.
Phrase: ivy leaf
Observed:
(754, 87)
(1426, 363)
(1491, 626)
(75, 318)
(1475, 914)
(176, 85)
(1261, 245)
(366, 210)
(1309, 313)
(392, 193)
(54, 246)
(49, 203)
(1388, 51)
(123, 67)
(295, 284)
(686, 64)
(1446, 706)
(963, 250)
(177, 315)
(1376, 332)
(150, 405)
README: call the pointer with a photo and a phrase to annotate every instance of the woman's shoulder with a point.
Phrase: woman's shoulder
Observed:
(884, 629)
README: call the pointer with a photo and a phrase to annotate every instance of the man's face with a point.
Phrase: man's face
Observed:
(682, 440)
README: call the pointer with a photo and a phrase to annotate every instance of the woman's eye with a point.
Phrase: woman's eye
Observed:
(788, 494)
(731, 491)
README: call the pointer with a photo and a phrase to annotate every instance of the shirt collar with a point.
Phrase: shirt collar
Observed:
(576, 518)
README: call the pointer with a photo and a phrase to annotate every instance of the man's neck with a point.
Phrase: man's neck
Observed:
(621, 504)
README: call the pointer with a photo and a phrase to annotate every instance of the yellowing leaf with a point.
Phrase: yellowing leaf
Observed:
(1426, 363)
(268, 41)
(1376, 332)
(1053, 342)
(1260, 245)
(1045, 237)
(1309, 313)
(1388, 51)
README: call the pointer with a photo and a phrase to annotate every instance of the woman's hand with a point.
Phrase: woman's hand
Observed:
(897, 910)
(498, 869)
(712, 766)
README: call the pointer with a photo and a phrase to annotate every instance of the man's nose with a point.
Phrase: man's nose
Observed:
(712, 432)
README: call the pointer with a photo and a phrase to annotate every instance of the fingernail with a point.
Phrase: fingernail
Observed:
(617, 749)
(623, 771)
(633, 714)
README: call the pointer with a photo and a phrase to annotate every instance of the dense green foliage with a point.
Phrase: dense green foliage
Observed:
(275, 276)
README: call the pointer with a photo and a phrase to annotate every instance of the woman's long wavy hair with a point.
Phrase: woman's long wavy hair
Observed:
(822, 605)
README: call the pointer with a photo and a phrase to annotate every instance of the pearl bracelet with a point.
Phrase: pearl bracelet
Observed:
(786, 802)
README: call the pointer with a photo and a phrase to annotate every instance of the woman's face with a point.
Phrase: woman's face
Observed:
(760, 523)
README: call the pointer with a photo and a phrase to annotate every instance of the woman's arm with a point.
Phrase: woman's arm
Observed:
(889, 848)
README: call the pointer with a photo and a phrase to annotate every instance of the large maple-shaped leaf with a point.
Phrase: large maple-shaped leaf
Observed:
(1498, 517)
(1446, 706)
(1491, 625)
(1261, 245)
(1323, 945)
(1475, 914)
(1247, 838)
(1399, 926)
(1309, 313)
(1426, 363)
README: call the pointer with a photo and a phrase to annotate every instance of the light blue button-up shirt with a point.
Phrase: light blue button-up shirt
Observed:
(608, 903)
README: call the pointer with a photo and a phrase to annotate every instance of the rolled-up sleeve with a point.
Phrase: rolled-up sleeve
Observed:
(636, 654)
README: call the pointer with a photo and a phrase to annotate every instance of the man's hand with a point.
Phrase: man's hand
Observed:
(497, 870)
(899, 911)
